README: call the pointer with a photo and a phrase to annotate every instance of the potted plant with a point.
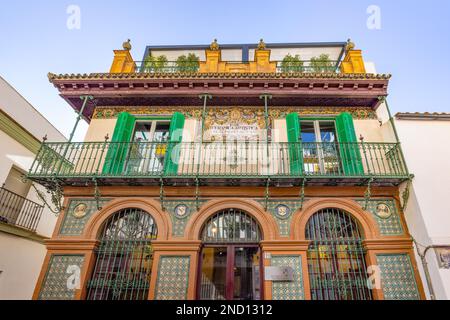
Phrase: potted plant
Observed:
(155, 64)
(189, 63)
(291, 64)
(322, 63)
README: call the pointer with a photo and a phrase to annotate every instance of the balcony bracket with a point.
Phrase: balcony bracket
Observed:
(97, 194)
(302, 193)
(161, 194)
(405, 194)
(56, 193)
(267, 194)
(197, 193)
(368, 193)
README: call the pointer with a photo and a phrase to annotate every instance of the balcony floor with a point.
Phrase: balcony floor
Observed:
(223, 181)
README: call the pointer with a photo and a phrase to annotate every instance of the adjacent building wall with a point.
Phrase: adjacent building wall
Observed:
(22, 253)
(425, 146)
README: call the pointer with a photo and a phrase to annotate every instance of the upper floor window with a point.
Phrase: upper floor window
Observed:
(151, 131)
(318, 131)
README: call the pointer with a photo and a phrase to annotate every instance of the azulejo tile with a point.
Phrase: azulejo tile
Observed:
(173, 278)
(397, 277)
(288, 290)
(389, 226)
(57, 284)
(73, 223)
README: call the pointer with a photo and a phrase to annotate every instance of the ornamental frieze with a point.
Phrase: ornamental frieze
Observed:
(249, 115)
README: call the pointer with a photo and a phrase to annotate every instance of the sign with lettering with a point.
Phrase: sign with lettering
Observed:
(234, 124)
(279, 274)
(443, 256)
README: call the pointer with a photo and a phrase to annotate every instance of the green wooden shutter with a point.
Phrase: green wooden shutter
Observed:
(295, 147)
(349, 148)
(118, 148)
(173, 150)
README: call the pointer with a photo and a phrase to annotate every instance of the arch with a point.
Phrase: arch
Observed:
(266, 223)
(336, 249)
(95, 224)
(364, 219)
(221, 228)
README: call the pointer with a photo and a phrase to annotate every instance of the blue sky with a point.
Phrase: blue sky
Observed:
(412, 43)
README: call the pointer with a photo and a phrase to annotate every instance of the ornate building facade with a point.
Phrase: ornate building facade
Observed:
(230, 172)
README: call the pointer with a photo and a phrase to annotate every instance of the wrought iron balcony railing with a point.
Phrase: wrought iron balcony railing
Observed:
(281, 67)
(218, 160)
(19, 211)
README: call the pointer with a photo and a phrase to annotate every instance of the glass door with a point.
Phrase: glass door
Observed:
(230, 273)
(320, 149)
(149, 145)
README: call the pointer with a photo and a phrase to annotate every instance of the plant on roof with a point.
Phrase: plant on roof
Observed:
(189, 63)
(322, 63)
(291, 64)
(155, 63)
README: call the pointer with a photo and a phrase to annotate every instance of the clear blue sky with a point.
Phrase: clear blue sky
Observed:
(412, 44)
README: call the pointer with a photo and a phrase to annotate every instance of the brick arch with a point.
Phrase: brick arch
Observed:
(364, 219)
(266, 223)
(152, 207)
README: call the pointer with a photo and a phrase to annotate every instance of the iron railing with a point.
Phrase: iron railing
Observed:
(306, 66)
(19, 211)
(218, 159)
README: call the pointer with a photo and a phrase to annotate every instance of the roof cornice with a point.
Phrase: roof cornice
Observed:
(198, 75)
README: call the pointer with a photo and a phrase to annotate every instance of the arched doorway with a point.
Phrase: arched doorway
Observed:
(124, 258)
(230, 264)
(336, 257)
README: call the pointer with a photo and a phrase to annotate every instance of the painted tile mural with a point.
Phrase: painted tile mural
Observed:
(282, 210)
(397, 277)
(57, 282)
(173, 278)
(75, 220)
(180, 212)
(390, 225)
(288, 290)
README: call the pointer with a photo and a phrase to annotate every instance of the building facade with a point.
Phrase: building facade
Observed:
(24, 220)
(426, 216)
(237, 172)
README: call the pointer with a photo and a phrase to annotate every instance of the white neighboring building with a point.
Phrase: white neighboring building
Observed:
(24, 224)
(425, 143)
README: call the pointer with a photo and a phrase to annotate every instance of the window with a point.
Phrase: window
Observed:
(124, 258)
(320, 149)
(151, 131)
(148, 153)
(13, 197)
(318, 131)
(336, 257)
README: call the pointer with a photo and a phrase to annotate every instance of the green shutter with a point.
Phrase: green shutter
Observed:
(117, 152)
(349, 148)
(173, 150)
(295, 147)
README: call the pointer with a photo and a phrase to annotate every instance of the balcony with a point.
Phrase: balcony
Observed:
(278, 67)
(19, 211)
(219, 163)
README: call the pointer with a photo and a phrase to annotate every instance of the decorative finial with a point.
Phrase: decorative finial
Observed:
(350, 45)
(45, 138)
(361, 138)
(107, 137)
(214, 45)
(127, 45)
(261, 45)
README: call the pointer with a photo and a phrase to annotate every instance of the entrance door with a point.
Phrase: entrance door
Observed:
(230, 273)
(230, 263)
